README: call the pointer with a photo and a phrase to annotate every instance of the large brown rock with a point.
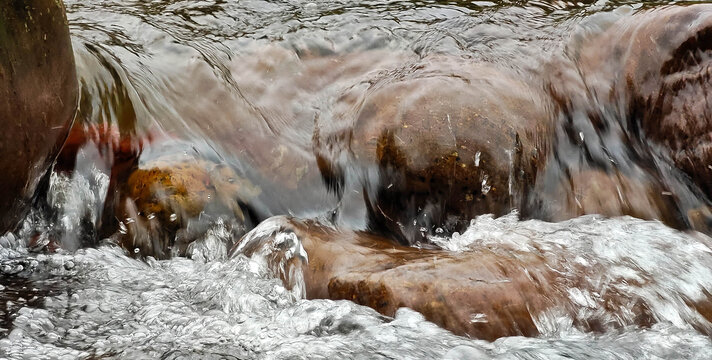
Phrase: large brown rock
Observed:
(38, 97)
(481, 294)
(448, 138)
(485, 292)
(657, 65)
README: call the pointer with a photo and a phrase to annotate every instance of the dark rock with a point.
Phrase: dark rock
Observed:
(450, 139)
(660, 63)
(38, 98)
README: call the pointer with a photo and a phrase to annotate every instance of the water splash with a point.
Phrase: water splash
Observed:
(103, 303)
(280, 252)
(631, 267)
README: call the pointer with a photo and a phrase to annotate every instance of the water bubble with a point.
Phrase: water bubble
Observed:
(485, 187)
(122, 228)
(478, 318)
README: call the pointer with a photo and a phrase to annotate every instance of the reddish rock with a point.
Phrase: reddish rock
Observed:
(481, 294)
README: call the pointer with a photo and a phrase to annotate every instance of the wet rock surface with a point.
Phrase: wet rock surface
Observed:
(163, 196)
(449, 139)
(505, 283)
(481, 294)
(643, 83)
(38, 98)
(663, 72)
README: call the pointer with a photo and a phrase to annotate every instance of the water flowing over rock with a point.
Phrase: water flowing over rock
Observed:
(295, 179)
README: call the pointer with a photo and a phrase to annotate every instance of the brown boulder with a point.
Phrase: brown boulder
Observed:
(659, 63)
(38, 97)
(448, 139)
(482, 294)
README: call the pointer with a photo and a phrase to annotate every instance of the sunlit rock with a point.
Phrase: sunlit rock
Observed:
(161, 197)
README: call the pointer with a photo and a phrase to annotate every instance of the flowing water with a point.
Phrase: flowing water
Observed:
(185, 70)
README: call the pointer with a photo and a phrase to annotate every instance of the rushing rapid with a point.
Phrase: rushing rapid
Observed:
(99, 302)
(263, 106)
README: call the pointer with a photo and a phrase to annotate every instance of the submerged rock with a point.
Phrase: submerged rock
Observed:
(664, 66)
(163, 196)
(449, 139)
(481, 294)
(643, 86)
(38, 98)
